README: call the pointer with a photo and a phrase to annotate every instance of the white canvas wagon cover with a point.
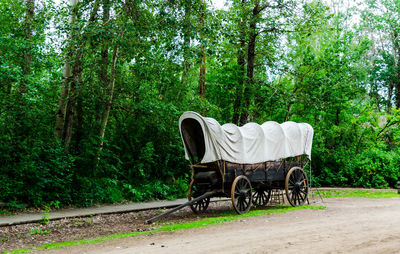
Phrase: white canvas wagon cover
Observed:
(206, 139)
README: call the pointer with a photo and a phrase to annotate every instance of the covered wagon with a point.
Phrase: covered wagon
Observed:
(232, 161)
(244, 163)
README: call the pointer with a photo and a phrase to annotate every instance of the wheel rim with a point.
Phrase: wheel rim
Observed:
(261, 197)
(241, 195)
(201, 205)
(296, 186)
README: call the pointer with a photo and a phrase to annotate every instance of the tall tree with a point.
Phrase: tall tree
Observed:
(28, 24)
(105, 79)
(202, 76)
(382, 19)
(241, 62)
(187, 36)
(67, 79)
(253, 22)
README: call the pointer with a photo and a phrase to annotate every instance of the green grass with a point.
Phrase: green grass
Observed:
(358, 193)
(164, 227)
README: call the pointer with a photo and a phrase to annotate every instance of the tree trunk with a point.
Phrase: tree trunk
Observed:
(110, 94)
(67, 80)
(241, 65)
(103, 75)
(105, 79)
(337, 120)
(27, 54)
(186, 42)
(287, 117)
(60, 115)
(250, 64)
(396, 54)
(202, 78)
(398, 94)
(79, 123)
(397, 84)
(71, 104)
(389, 99)
(21, 131)
(78, 133)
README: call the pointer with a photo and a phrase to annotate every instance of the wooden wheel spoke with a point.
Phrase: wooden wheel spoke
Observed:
(298, 198)
(264, 198)
(303, 198)
(296, 186)
(260, 197)
(242, 195)
(293, 197)
(201, 205)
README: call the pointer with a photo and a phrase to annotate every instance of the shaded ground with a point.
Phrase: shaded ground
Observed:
(349, 225)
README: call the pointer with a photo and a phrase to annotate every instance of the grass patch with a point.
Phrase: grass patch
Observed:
(5, 212)
(357, 193)
(231, 216)
(227, 216)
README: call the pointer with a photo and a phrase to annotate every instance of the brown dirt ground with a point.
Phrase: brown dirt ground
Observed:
(347, 226)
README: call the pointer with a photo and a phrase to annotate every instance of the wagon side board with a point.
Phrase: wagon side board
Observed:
(269, 174)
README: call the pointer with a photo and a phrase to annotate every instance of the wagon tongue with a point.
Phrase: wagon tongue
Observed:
(205, 195)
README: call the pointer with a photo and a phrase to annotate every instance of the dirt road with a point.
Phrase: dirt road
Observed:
(346, 226)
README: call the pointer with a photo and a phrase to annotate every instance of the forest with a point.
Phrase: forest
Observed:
(91, 90)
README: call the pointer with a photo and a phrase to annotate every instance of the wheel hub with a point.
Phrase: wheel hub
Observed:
(297, 186)
(243, 193)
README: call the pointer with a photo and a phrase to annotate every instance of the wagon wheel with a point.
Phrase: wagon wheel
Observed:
(261, 197)
(241, 194)
(296, 186)
(200, 206)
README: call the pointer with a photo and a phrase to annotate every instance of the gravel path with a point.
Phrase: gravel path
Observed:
(347, 226)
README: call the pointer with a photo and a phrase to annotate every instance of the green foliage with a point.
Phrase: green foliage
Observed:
(157, 190)
(39, 231)
(310, 65)
(46, 211)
